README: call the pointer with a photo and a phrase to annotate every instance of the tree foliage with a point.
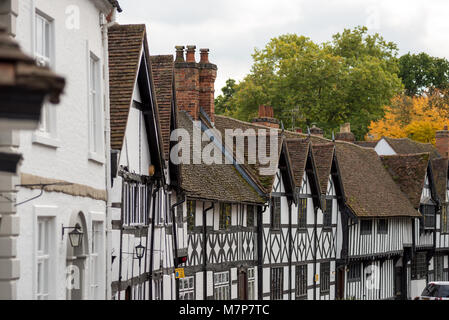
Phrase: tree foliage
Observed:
(415, 117)
(223, 103)
(422, 73)
(349, 79)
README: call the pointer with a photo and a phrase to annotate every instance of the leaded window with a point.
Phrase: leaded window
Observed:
(225, 216)
(276, 213)
(354, 272)
(301, 282)
(221, 286)
(366, 227)
(382, 226)
(302, 213)
(191, 208)
(277, 283)
(325, 276)
(250, 216)
(187, 288)
(327, 218)
(439, 268)
(419, 266)
(251, 284)
(428, 213)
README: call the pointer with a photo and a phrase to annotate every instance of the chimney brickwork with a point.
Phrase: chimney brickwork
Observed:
(442, 142)
(345, 133)
(266, 117)
(195, 82)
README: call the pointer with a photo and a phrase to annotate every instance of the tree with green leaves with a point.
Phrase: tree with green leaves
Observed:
(422, 73)
(349, 79)
(223, 103)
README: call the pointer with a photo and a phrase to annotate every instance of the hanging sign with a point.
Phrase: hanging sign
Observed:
(179, 273)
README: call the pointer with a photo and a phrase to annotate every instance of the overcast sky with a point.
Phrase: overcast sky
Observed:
(231, 29)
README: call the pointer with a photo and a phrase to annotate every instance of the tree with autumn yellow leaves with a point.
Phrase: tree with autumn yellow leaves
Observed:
(417, 118)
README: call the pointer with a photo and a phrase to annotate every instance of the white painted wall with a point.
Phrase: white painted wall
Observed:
(383, 148)
(65, 157)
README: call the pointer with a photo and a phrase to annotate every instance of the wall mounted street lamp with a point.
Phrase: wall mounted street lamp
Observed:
(140, 251)
(75, 236)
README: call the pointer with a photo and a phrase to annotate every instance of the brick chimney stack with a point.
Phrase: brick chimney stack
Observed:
(315, 131)
(345, 133)
(266, 117)
(195, 82)
(442, 142)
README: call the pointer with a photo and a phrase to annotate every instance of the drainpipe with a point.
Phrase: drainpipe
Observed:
(204, 251)
(153, 216)
(314, 252)
(290, 250)
(107, 136)
(175, 240)
(260, 212)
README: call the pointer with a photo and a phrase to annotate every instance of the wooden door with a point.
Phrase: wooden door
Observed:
(243, 284)
(340, 283)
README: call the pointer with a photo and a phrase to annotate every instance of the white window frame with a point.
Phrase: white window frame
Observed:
(48, 214)
(221, 286)
(95, 109)
(251, 284)
(158, 293)
(46, 134)
(97, 266)
(187, 288)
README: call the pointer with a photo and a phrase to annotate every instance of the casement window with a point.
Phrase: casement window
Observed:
(428, 213)
(366, 227)
(382, 226)
(191, 208)
(325, 276)
(187, 288)
(327, 218)
(251, 284)
(302, 213)
(43, 258)
(439, 268)
(95, 108)
(354, 272)
(96, 269)
(221, 286)
(179, 211)
(250, 216)
(419, 266)
(277, 283)
(444, 218)
(135, 204)
(276, 213)
(301, 282)
(225, 216)
(43, 44)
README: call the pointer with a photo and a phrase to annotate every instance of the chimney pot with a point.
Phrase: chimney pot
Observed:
(204, 54)
(179, 54)
(190, 53)
(345, 128)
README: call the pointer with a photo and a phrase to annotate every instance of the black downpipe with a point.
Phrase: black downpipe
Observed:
(290, 247)
(259, 252)
(175, 240)
(314, 252)
(205, 251)
(153, 215)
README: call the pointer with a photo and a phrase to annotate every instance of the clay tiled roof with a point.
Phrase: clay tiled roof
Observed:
(366, 144)
(323, 155)
(409, 172)
(298, 150)
(125, 47)
(408, 146)
(265, 182)
(369, 189)
(440, 172)
(162, 67)
(218, 182)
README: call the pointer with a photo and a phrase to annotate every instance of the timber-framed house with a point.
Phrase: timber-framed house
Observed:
(376, 228)
(142, 253)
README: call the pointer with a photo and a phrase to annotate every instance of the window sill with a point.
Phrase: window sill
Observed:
(95, 157)
(45, 140)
